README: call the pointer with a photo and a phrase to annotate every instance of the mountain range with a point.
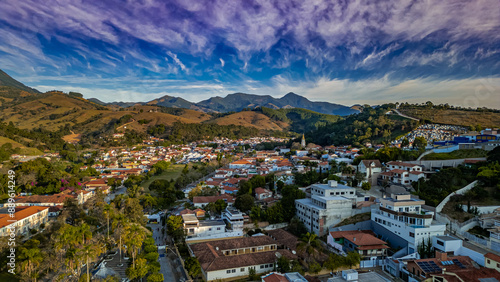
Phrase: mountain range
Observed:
(239, 101)
(231, 103)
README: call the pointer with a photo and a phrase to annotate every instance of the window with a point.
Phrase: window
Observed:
(489, 261)
(412, 234)
(440, 243)
(262, 266)
(233, 271)
(228, 271)
(218, 228)
(242, 269)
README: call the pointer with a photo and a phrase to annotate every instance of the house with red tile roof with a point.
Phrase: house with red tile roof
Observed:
(233, 258)
(492, 261)
(24, 219)
(261, 194)
(362, 241)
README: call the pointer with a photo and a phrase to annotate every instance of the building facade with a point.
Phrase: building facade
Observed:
(404, 217)
(24, 220)
(327, 206)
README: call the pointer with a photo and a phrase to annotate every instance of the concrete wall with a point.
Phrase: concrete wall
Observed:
(440, 163)
(482, 209)
(222, 274)
(446, 149)
(461, 191)
(475, 256)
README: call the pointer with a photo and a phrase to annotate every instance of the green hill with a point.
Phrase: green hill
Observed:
(300, 120)
(7, 80)
(371, 125)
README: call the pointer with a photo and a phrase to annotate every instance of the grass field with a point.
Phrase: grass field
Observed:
(24, 150)
(456, 117)
(458, 154)
(172, 173)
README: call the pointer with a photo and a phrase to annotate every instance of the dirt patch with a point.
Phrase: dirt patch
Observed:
(72, 138)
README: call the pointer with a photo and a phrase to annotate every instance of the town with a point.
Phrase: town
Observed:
(259, 209)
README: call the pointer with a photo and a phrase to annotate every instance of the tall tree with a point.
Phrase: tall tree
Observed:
(31, 257)
(134, 235)
(309, 245)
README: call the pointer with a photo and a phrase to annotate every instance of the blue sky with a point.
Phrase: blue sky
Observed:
(344, 52)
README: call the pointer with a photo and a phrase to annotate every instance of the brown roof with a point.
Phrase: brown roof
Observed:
(367, 163)
(275, 277)
(465, 260)
(236, 261)
(284, 238)
(211, 199)
(260, 190)
(470, 274)
(21, 213)
(211, 257)
(398, 171)
(360, 238)
(492, 257)
(236, 243)
(58, 198)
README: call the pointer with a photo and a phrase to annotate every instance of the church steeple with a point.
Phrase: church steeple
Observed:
(303, 142)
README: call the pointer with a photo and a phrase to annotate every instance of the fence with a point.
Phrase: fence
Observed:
(372, 263)
(461, 228)
(461, 191)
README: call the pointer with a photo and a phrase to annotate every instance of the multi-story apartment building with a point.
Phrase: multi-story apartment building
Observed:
(327, 206)
(403, 217)
(234, 218)
(232, 259)
(25, 219)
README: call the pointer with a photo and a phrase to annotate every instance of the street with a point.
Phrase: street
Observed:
(165, 263)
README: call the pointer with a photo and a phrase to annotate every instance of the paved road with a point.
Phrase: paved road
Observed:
(403, 115)
(166, 265)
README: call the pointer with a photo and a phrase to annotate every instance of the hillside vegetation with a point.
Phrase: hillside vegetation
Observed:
(458, 154)
(300, 120)
(445, 114)
(372, 125)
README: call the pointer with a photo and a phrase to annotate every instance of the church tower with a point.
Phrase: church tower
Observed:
(303, 142)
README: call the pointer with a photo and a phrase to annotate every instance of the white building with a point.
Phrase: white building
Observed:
(402, 173)
(328, 205)
(234, 258)
(404, 217)
(454, 246)
(203, 230)
(25, 219)
(234, 218)
(369, 167)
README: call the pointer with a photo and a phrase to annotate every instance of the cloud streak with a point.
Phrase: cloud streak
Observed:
(306, 42)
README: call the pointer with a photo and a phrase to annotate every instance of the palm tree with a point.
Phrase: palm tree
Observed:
(91, 251)
(309, 244)
(119, 223)
(107, 210)
(32, 255)
(84, 232)
(134, 235)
